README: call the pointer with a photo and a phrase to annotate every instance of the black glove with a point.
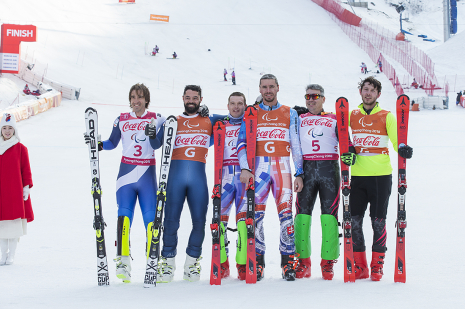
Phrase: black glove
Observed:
(151, 129)
(87, 140)
(348, 158)
(300, 110)
(405, 151)
(203, 111)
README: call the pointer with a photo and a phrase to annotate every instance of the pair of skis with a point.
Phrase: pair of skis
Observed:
(153, 254)
(342, 114)
(250, 119)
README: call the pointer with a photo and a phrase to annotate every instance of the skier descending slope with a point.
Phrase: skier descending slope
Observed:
(187, 179)
(371, 174)
(277, 134)
(136, 177)
(233, 190)
(319, 142)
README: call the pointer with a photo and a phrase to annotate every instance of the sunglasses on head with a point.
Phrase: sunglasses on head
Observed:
(313, 96)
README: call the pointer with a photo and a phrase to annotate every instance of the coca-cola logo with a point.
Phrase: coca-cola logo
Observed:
(267, 118)
(232, 133)
(368, 141)
(271, 134)
(190, 126)
(198, 140)
(134, 126)
(311, 121)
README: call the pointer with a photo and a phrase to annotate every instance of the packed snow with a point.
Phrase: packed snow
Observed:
(101, 45)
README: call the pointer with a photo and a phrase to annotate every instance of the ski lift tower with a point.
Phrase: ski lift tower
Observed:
(399, 10)
(446, 11)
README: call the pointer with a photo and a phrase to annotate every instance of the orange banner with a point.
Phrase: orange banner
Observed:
(127, 1)
(160, 18)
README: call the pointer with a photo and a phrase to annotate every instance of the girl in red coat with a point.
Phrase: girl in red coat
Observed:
(15, 184)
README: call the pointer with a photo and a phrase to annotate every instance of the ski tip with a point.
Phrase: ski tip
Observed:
(91, 109)
(341, 98)
(403, 96)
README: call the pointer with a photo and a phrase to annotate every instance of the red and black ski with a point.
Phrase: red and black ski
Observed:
(218, 136)
(250, 119)
(342, 114)
(403, 104)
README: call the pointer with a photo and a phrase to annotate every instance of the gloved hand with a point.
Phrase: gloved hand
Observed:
(87, 139)
(405, 151)
(300, 110)
(26, 191)
(203, 111)
(151, 129)
(348, 158)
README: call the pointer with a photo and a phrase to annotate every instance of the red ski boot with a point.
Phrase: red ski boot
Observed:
(303, 269)
(240, 272)
(225, 269)
(361, 265)
(377, 262)
(327, 269)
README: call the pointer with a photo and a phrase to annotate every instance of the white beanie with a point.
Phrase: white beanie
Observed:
(9, 120)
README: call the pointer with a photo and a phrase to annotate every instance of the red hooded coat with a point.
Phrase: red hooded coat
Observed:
(15, 173)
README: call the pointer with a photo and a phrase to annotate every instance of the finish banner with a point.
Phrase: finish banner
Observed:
(160, 18)
(12, 36)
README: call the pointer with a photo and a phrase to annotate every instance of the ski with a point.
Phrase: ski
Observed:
(91, 118)
(250, 118)
(342, 114)
(402, 108)
(218, 137)
(154, 235)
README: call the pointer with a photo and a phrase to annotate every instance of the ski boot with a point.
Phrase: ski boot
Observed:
(303, 269)
(12, 244)
(192, 268)
(123, 268)
(288, 265)
(4, 250)
(327, 269)
(166, 268)
(377, 262)
(225, 269)
(360, 265)
(240, 272)
(260, 267)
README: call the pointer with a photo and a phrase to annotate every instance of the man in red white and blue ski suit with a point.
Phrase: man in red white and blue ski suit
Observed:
(277, 134)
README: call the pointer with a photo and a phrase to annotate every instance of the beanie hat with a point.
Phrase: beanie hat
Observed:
(9, 120)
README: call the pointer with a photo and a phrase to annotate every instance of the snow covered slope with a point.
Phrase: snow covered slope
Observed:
(99, 45)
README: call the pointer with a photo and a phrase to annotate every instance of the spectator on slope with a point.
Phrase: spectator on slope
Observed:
(15, 185)
(175, 55)
(414, 84)
(233, 76)
(26, 90)
(380, 66)
(224, 75)
(459, 97)
(364, 68)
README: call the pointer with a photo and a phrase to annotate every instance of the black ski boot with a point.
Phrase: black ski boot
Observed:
(288, 264)
(260, 267)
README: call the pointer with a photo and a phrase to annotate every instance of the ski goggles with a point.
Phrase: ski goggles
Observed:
(313, 96)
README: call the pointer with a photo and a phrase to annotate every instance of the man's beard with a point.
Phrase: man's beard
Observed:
(191, 109)
(269, 101)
